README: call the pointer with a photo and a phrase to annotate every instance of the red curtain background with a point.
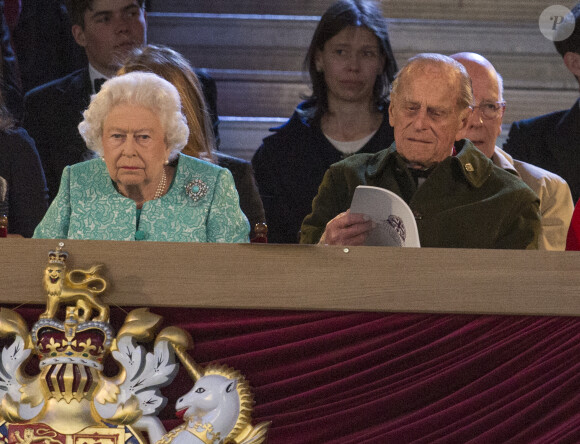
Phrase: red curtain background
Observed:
(333, 377)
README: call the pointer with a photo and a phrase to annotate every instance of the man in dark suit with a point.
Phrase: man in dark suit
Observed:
(552, 141)
(44, 45)
(10, 85)
(107, 30)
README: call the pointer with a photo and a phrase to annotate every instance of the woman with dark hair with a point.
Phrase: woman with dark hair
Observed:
(23, 192)
(351, 65)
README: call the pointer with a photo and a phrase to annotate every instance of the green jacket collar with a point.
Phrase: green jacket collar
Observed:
(473, 164)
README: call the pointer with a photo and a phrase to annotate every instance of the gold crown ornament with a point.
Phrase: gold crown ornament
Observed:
(70, 399)
(57, 256)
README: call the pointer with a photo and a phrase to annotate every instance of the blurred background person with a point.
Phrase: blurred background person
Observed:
(23, 193)
(10, 82)
(483, 129)
(173, 67)
(142, 188)
(43, 42)
(573, 238)
(552, 141)
(107, 30)
(351, 65)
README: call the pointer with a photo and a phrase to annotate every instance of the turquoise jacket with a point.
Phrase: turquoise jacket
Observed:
(466, 202)
(89, 207)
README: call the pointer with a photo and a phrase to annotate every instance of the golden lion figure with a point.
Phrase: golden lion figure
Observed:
(79, 286)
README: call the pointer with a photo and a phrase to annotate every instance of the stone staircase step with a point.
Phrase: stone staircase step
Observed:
(259, 93)
(482, 10)
(246, 42)
(257, 60)
(276, 93)
(241, 136)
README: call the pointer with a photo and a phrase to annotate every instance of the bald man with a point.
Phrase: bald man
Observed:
(483, 128)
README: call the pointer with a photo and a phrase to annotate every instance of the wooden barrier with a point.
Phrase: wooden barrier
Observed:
(305, 277)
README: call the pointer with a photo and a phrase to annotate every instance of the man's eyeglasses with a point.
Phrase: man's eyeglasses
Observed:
(490, 110)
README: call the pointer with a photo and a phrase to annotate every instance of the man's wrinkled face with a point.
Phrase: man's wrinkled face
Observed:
(112, 29)
(425, 115)
(484, 124)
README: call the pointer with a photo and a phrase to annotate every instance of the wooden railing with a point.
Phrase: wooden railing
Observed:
(305, 277)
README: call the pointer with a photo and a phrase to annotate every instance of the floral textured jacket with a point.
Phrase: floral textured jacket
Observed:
(202, 205)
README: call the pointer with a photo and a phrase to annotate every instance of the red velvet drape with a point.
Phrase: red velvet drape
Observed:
(328, 377)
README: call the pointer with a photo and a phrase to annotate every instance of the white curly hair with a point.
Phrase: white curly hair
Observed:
(140, 89)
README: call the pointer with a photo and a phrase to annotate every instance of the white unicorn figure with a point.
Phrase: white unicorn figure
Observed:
(217, 410)
(211, 409)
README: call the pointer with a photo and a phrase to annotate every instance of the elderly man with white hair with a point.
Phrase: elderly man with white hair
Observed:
(458, 196)
(483, 128)
(142, 188)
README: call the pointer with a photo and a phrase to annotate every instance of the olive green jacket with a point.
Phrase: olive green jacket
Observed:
(466, 202)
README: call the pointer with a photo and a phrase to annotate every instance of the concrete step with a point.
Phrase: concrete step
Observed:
(241, 136)
(276, 93)
(257, 62)
(259, 93)
(289, 7)
(485, 10)
(520, 52)
(523, 104)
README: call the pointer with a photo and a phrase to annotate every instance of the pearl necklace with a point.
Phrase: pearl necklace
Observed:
(161, 186)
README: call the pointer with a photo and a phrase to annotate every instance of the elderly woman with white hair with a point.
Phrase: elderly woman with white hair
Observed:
(142, 188)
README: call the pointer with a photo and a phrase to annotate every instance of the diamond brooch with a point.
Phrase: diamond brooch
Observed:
(196, 189)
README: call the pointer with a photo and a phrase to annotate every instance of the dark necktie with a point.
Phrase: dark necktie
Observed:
(418, 174)
(98, 83)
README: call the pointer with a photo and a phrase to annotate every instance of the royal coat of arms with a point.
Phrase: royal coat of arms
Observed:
(71, 401)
